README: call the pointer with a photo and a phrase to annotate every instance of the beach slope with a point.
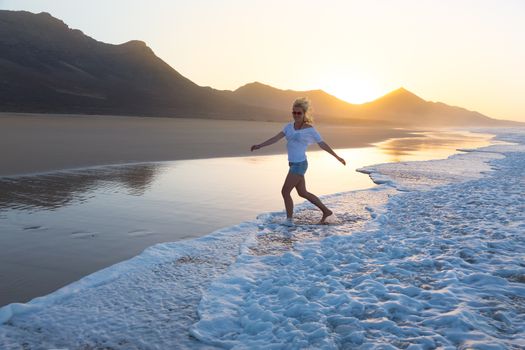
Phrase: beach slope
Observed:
(33, 143)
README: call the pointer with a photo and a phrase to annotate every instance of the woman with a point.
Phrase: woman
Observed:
(299, 135)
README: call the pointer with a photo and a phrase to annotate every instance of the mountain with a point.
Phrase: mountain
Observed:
(399, 108)
(47, 67)
(259, 94)
(404, 107)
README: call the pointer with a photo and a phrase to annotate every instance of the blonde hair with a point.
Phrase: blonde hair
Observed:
(305, 104)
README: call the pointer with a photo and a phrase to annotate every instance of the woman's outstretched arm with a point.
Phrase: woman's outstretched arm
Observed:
(328, 149)
(269, 141)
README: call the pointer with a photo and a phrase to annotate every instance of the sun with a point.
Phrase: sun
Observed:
(352, 89)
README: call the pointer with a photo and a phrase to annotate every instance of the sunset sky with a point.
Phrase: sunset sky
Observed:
(468, 53)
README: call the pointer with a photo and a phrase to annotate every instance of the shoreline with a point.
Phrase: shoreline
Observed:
(102, 279)
(33, 144)
(135, 194)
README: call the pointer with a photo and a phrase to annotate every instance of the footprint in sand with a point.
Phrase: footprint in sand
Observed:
(36, 227)
(83, 234)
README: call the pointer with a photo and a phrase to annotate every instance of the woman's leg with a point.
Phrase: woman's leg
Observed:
(289, 183)
(301, 191)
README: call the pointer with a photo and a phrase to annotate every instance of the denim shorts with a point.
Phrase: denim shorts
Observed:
(298, 168)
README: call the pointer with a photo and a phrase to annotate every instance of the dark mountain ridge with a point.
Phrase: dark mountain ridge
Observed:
(47, 67)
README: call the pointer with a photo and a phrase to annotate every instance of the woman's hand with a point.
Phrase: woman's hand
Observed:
(328, 149)
(254, 147)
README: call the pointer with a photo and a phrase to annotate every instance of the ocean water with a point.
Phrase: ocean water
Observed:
(57, 227)
(431, 257)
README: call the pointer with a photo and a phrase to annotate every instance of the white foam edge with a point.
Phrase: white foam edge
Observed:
(158, 253)
(155, 254)
(498, 150)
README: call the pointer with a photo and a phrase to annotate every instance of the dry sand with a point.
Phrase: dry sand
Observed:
(33, 143)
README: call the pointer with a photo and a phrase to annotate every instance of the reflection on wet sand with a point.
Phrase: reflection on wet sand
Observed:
(55, 190)
(57, 227)
(431, 141)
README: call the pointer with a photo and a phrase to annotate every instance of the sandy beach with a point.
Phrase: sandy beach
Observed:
(33, 143)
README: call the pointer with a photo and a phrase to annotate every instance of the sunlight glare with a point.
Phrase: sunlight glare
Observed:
(351, 88)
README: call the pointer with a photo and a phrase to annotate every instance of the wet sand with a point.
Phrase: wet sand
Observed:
(34, 143)
(60, 226)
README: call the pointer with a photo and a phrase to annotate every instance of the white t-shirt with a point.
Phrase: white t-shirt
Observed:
(298, 141)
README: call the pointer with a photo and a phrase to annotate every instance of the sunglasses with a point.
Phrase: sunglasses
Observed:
(297, 113)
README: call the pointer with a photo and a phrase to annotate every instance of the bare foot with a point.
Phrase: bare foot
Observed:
(325, 215)
(288, 222)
